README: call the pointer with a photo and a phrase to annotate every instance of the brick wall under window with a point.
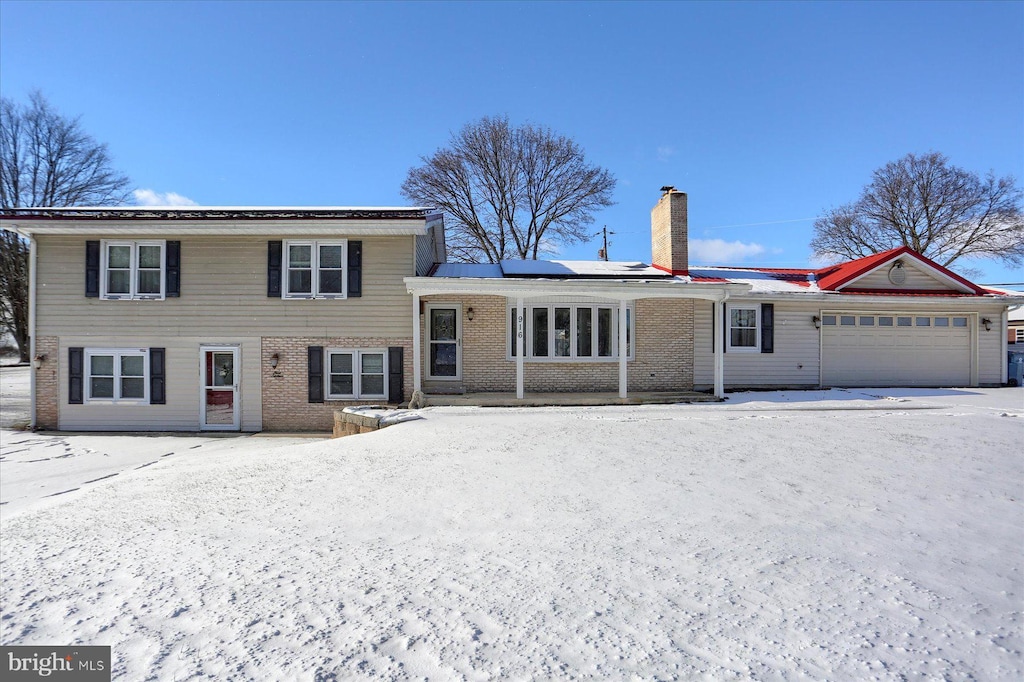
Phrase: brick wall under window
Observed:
(286, 405)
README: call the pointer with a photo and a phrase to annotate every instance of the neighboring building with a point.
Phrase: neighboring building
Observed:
(270, 318)
(220, 318)
(1015, 328)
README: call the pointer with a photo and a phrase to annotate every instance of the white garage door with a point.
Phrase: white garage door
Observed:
(895, 350)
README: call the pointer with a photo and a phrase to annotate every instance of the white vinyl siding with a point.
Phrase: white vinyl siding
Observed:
(224, 294)
(132, 269)
(916, 279)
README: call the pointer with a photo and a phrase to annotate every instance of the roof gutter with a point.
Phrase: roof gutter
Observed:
(626, 290)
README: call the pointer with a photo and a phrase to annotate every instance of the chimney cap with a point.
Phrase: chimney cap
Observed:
(667, 189)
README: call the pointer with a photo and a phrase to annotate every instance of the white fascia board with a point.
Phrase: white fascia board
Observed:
(841, 299)
(341, 228)
(533, 288)
(941, 276)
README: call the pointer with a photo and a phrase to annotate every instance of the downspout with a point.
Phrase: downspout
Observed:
(32, 256)
(718, 333)
(1004, 326)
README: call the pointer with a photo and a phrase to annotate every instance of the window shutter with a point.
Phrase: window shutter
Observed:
(316, 373)
(92, 269)
(274, 249)
(767, 327)
(355, 269)
(173, 269)
(396, 383)
(157, 374)
(76, 362)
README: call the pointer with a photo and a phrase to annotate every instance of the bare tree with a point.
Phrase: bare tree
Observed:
(939, 210)
(45, 160)
(510, 192)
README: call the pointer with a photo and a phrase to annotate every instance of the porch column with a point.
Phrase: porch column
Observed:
(623, 373)
(417, 354)
(520, 345)
(717, 321)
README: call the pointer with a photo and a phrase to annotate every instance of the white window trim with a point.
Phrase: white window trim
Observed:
(117, 354)
(756, 348)
(573, 331)
(357, 374)
(314, 254)
(133, 276)
(1020, 335)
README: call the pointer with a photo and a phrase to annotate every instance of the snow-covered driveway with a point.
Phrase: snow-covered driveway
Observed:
(774, 537)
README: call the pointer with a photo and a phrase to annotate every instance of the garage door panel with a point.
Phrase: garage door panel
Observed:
(925, 353)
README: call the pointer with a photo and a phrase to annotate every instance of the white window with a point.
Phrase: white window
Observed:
(315, 269)
(1020, 335)
(356, 374)
(569, 332)
(117, 375)
(132, 270)
(744, 328)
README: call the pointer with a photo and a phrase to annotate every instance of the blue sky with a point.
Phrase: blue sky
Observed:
(763, 113)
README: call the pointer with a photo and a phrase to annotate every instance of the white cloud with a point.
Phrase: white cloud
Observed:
(147, 197)
(719, 251)
(665, 153)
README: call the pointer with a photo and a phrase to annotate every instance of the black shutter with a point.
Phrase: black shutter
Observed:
(274, 269)
(157, 374)
(172, 256)
(76, 366)
(355, 269)
(92, 270)
(396, 383)
(316, 373)
(767, 327)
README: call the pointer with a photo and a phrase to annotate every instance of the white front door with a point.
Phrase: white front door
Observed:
(218, 405)
(444, 341)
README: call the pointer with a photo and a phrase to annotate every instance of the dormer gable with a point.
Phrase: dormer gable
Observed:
(897, 271)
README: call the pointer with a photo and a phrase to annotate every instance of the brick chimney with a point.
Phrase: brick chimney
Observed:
(668, 232)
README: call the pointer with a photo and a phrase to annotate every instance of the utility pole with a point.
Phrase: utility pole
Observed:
(603, 253)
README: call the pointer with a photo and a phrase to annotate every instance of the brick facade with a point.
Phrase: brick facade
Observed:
(663, 358)
(47, 387)
(669, 232)
(286, 405)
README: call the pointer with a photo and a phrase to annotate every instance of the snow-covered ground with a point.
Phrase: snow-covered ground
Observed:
(14, 396)
(829, 535)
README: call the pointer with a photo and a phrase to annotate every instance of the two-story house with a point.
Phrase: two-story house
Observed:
(220, 318)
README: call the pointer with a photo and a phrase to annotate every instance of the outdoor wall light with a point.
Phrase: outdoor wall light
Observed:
(470, 313)
(38, 361)
(988, 324)
(817, 322)
(274, 359)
